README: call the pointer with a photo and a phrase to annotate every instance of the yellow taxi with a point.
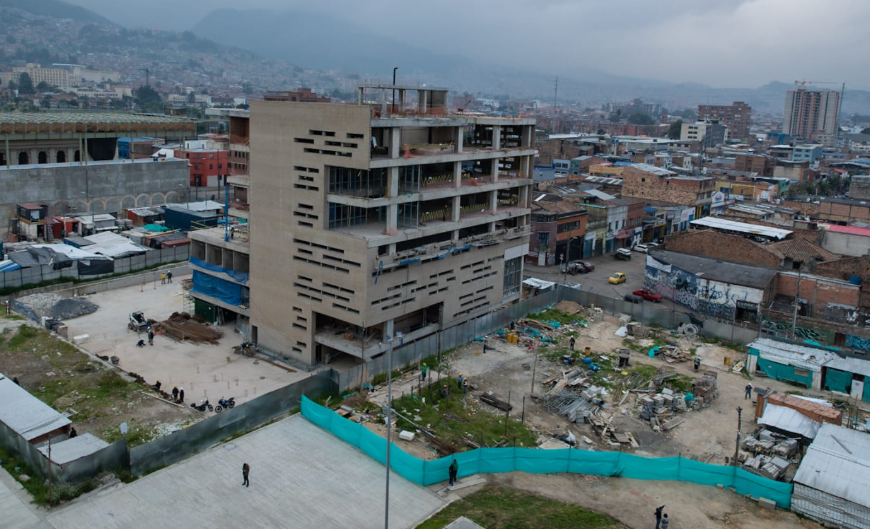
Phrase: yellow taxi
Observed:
(616, 278)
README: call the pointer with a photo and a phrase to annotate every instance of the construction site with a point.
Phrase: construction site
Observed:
(573, 377)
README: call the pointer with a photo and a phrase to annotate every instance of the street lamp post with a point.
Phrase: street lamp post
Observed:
(389, 413)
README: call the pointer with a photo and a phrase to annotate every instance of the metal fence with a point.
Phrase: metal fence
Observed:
(452, 337)
(37, 274)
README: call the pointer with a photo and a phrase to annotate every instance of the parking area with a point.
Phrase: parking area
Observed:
(596, 281)
(202, 369)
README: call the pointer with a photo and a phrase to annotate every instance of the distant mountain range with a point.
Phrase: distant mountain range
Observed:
(336, 44)
(57, 9)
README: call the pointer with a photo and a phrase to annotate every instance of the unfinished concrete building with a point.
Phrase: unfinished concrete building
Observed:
(374, 219)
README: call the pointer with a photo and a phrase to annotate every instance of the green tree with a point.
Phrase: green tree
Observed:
(147, 99)
(25, 84)
(866, 131)
(675, 130)
(12, 85)
(640, 119)
(45, 87)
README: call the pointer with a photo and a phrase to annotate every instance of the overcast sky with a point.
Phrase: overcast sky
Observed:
(723, 43)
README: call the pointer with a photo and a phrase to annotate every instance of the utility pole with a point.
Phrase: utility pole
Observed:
(797, 302)
(389, 413)
(737, 447)
(556, 96)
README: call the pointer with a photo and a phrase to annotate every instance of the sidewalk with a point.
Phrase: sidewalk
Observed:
(15, 510)
(301, 477)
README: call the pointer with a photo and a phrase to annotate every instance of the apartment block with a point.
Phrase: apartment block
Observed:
(811, 115)
(709, 133)
(735, 116)
(238, 158)
(653, 183)
(373, 221)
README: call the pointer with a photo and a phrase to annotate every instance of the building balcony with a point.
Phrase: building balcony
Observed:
(244, 310)
(338, 341)
(440, 250)
(375, 232)
(240, 180)
(433, 191)
(440, 153)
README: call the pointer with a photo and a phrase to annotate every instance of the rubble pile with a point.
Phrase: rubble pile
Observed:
(53, 306)
(769, 454)
(181, 327)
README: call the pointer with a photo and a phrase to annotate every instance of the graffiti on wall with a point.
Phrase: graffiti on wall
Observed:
(857, 342)
(711, 298)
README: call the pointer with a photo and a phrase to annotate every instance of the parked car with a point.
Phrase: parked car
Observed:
(623, 254)
(652, 245)
(586, 265)
(631, 298)
(616, 278)
(648, 295)
(642, 248)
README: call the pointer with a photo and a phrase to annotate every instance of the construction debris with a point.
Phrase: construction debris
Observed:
(492, 401)
(183, 328)
(54, 306)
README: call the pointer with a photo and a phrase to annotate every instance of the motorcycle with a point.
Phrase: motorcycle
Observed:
(202, 406)
(222, 404)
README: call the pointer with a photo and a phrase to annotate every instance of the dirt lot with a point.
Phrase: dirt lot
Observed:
(65, 378)
(506, 371)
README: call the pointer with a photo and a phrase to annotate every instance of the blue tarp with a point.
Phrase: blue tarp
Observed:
(220, 289)
(8, 266)
(241, 277)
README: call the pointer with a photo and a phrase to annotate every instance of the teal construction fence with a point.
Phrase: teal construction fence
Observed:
(536, 461)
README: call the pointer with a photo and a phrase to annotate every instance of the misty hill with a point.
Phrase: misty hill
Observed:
(317, 41)
(57, 9)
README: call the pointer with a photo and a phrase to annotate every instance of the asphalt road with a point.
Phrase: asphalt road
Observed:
(596, 281)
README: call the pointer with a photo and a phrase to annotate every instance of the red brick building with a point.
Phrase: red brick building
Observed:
(735, 116)
(208, 167)
(555, 221)
(652, 183)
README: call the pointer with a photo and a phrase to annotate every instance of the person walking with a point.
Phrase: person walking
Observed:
(175, 393)
(452, 471)
(748, 394)
(246, 469)
(459, 381)
(157, 385)
(150, 337)
(181, 395)
(665, 521)
(484, 345)
(659, 511)
(424, 370)
(163, 278)
(444, 392)
(169, 277)
(15, 379)
(73, 433)
(572, 343)
(465, 386)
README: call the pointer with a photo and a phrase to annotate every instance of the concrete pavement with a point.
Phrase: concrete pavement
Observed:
(301, 477)
(15, 509)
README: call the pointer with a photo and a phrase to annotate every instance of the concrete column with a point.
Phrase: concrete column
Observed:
(527, 138)
(493, 201)
(34, 156)
(392, 249)
(8, 155)
(524, 167)
(495, 171)
(395, 142)
(389, 331)
(456, 206)
(496, 137)
(459, 132)
(393, 184)
(392, 219)
(524, 197)
(457, 175)
(455, 235)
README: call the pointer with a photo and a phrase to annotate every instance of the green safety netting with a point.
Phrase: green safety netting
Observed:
(784, 372)
(537, 461)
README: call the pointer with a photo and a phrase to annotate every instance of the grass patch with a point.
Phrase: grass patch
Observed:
(14, 317)
(483, 426)
(729, 345)
(36, 486)
(506, 508)
(99, 395)
(380, 379)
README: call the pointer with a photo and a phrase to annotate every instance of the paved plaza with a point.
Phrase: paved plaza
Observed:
(301, 477)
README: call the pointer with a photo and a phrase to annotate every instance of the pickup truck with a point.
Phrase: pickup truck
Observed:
(648, 295)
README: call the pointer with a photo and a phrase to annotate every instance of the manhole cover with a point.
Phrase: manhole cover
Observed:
(229, 446)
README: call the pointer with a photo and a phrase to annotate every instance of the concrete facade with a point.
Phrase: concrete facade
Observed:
(98, 187)
(811, 114)
(653, 183)
(355, 240)
(735, 116)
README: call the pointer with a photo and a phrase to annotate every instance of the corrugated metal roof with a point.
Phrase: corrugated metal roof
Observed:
(741, 227)
(788, 354)
(851, 230)
(850, 364)
(75, 448)
(789, 420)
(838, 463)
(26, 415)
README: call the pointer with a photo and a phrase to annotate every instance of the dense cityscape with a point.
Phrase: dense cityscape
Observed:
(445, 293)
